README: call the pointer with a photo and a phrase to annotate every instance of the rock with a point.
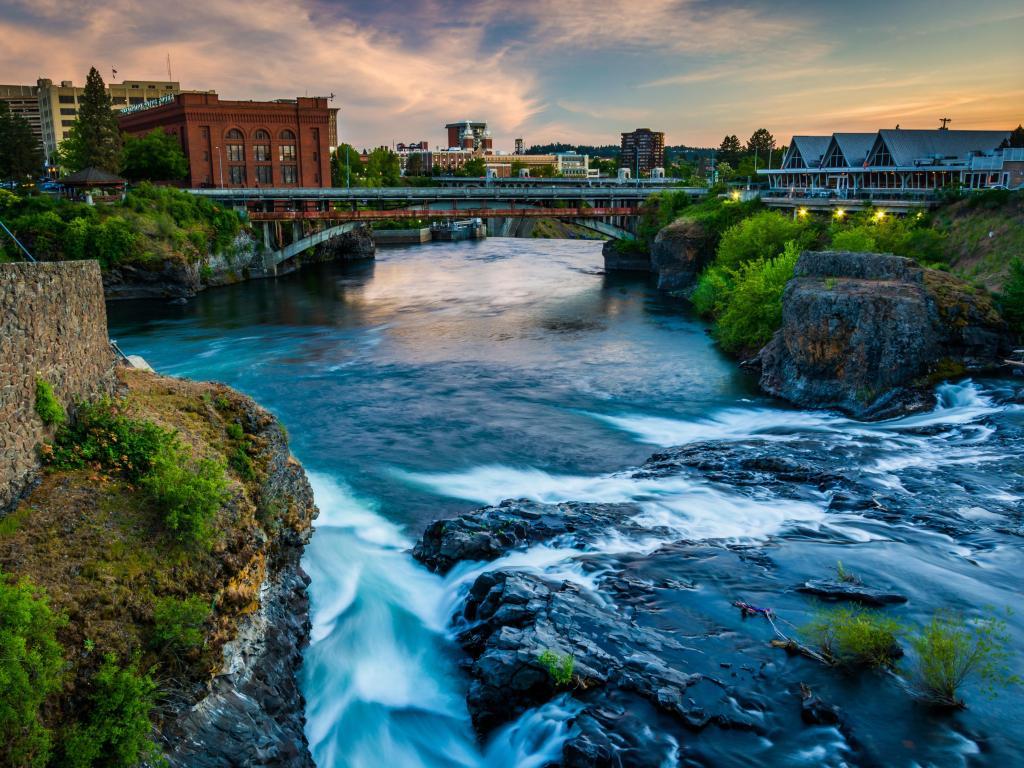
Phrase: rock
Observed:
(679, 252)
(623, 258)
(833, 589)
(254, 713)
(815, 711)
(171, 279)
(868, 334)
(356, 245)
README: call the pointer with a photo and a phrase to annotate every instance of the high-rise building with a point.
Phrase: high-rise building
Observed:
(458, 132)
(519, 146)
(642, 150)
(23, 101)
(58, 104)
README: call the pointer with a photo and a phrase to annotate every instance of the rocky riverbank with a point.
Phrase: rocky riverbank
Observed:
(657, 630)
(179, 279)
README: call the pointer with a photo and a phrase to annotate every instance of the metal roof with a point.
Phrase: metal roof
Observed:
(811, 148)
(854, 146)
(906, 146)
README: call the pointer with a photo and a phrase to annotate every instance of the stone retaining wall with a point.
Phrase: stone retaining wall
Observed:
(53, 323)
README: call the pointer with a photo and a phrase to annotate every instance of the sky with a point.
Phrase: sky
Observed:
(577, 71)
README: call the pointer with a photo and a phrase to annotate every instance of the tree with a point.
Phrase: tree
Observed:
(346, 169)
(414, 164)
(383, 168)
(475, 167)
(20, 152)
(94, 140)
(157, 156)
(1016, 139)
(730, 150)
(761, 143)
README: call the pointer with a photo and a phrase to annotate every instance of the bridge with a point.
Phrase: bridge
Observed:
(611, 209)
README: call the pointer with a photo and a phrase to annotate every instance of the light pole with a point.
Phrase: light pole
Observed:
(220, 164)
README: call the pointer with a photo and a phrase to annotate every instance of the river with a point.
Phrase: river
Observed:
(447, 376)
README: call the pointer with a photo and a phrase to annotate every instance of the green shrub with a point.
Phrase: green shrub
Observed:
(559, 667)
(115, 242)
(855, 239)
(178, 624)
(751, 310)
(951, 650)
(189, 492)
(712, 291)
(30, 670)
(241, 462)
(103, 437)
(762, 236)
(115, 731)
(855, 636)
(1011, 300)
(235, 431)
(47, 405)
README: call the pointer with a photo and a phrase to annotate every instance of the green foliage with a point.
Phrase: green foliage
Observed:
(21, 155)
(750, 311)
(178, 624)
(659, 210)
(241, 462)
(94, 139)
(560, 667)
(381, 169)
(909, 236)
(711, 294)
(951, 650)
(156, 156)
(30, 670)
(844, 575)
(474, 168)
(188, 492)
(855, 637)
(1011, 300)
(854, 239)
(47, 405)
(115, 732)
(730, 150)
(114, 242)
(761, 236)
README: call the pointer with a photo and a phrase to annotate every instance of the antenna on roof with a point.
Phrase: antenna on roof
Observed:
(945, 123)
(169, 66)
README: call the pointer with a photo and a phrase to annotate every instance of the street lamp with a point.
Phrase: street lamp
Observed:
(220, 163)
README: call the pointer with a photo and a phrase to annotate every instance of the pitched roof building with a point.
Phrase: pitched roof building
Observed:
(896, 161)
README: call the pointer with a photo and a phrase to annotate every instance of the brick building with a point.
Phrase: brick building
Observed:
(642, 150)
(283, 143)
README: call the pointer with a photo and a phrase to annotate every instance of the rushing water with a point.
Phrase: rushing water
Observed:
(452, 375)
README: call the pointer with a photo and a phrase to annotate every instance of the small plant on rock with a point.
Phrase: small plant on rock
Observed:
(855, 637)
(845, 576)
(560, 667)
(47, 405)
(951, 650)
(178, 624)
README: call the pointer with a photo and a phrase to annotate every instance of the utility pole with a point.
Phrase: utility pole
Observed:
(220, 164)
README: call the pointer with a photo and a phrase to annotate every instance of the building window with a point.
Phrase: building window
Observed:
(234, 133)
(236, 153)
(237, 174)
(206, 155)
(136, 100)
(261, 135)
(289, 174)
(117, 100)
(264, 174)
(66, 99)
(168, 87)
(286, 153)
(68, 111)
(287, 135)
(67, 123)
(261, 153)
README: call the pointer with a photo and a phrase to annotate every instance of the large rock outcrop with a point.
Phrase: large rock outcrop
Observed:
(869, 333)
(678, 254)
(619, 258)
(356, 245)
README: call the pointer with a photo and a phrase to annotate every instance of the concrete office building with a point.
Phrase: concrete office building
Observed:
(642, 150)
(23, 101)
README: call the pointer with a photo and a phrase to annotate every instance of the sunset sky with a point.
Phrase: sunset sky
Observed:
(572, 70)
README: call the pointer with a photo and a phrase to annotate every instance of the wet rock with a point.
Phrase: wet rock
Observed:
(620, 256)
(815, 711)
(356, 245)
(867, 333)
(488, 533)
(834, 589)
(678, 254)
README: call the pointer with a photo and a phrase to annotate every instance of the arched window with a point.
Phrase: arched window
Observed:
(287, 135)
(261, 146)
(235, 147)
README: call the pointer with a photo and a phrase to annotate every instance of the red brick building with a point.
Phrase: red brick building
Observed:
(282, 143)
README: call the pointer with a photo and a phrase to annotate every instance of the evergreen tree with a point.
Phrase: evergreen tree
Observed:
(94, 140)
(1016, 139)
(730, 150)
(20, 153)
(761, 142)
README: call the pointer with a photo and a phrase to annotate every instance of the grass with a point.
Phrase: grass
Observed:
(560, 667)
(47, 405)
(855, 637)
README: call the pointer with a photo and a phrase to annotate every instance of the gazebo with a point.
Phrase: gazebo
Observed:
(84, 181)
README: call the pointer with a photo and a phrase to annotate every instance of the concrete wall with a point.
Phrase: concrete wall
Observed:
(54, 324)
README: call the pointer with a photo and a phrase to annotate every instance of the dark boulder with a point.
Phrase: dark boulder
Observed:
(678, 254)
(834, 590)
(869, 334)
(356, 245)
(625, 256)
